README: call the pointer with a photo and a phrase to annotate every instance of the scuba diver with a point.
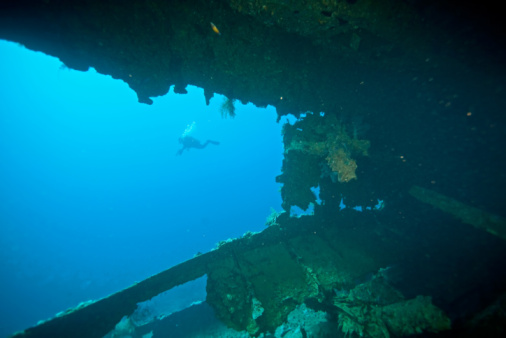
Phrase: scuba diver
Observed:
(189, 142)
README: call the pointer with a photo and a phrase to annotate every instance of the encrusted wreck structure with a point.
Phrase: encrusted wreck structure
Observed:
(318, 146)
(404, 67)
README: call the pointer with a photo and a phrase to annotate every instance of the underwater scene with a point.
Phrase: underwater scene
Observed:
(233, 168)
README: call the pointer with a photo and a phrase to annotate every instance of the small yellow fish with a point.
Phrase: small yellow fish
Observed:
(215, 29)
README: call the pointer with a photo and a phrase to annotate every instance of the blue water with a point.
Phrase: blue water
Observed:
(92, 196)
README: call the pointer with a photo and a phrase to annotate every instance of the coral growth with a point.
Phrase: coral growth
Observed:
(344, 166)
(272, 219)
(376, 309)
(228, 108)
(325, 136)
(316, 146)
(303, 319)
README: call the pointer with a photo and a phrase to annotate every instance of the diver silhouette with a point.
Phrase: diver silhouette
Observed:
(189, 142)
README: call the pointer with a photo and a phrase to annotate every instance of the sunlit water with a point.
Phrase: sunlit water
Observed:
(93, 196)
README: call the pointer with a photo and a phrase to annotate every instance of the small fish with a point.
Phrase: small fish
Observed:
(215, 29)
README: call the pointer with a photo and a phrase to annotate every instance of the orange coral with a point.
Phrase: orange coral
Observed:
(344, 166)
(327, 138)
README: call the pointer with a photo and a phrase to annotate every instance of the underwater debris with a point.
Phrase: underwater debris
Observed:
(228, 108)
(281, 276)
(256, 308)
(272, 219)
(376, 309)
(303, 319)
(125, 328)
(280, 269)
(78, 307)
(222, 243)
(478, 218)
